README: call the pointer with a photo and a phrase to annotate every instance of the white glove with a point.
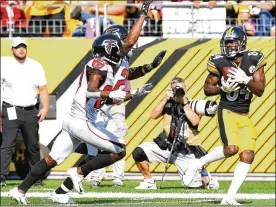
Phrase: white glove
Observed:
(141, 90)
(118, 95)
(212, 110)
(238, 75)
(229, 85)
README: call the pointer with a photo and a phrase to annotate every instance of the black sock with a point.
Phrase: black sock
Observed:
(37, 172)
(68, 184)
(99, 161)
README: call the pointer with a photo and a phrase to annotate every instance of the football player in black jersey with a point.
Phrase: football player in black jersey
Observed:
(235, 74)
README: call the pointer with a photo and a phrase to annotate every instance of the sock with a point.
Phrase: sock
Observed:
(149, 180)
(37, 172)
(99, 161)
(214, 155)
(239, 176)
(65, 187)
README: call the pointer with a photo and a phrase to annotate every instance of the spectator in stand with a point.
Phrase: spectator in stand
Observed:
(46, 13)
(9, 11)
(87, 14)
(244, 19)
(265, 14)
(154, 23)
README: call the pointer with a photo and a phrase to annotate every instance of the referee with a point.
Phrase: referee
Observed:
(21, 76)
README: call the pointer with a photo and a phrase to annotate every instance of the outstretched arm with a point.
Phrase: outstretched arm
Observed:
(134, 33)
(137, 72)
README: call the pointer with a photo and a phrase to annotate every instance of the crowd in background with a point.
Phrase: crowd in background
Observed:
(72, 18)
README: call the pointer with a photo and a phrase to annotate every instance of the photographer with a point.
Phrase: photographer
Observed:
(180, 122)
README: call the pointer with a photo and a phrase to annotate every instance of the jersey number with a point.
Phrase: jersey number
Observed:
(235, 94)
(99, 103)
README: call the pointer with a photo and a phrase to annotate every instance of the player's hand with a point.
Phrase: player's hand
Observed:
(42, 114)
(238, 76)
(169, 94)
(158, 59)
(145, 8)
(212, 110)
(229, 85)
(141, 90)
(118, 95)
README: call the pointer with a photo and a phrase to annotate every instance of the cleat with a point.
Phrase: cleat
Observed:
(19, 197)
(117, 182)
(146, 186)
(230, 202)
(94, 183)
(61, 198)
(76, 179)
(213, 182)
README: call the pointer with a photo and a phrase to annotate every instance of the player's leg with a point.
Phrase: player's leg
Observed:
(118, 167)
(228, 130)
(97, 135)
(95, 176)
(144, 154)
(247, 142)
(63, 146)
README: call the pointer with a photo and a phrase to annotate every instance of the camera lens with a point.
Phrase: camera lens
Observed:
(179, 92)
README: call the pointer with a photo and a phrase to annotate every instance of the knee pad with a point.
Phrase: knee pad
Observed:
(139, 155)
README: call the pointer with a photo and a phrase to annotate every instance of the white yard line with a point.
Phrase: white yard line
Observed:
(152, 195)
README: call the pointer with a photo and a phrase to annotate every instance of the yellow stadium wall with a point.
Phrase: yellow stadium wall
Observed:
(186, 58)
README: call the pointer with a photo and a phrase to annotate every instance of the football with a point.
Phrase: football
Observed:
(225, 72)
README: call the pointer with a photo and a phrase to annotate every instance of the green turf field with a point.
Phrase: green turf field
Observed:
(252, 194)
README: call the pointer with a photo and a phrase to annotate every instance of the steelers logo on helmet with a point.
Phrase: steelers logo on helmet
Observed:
(233, 42)
(109, 48)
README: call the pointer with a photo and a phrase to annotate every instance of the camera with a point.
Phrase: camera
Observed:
(178, 92)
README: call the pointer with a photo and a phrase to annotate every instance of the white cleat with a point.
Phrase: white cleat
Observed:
(19, 197)
(61, 198)
(146, 186)
(76, 179)
(191, 172)
(117, 182)
(213, 182)
(230, 202)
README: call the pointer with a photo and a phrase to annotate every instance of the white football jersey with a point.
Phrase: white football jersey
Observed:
(121, 83)
(85, 108)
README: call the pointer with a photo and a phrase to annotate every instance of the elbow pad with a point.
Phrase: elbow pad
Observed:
(95, 95)
(204, 107)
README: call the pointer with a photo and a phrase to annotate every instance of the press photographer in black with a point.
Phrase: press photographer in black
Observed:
(180, 122)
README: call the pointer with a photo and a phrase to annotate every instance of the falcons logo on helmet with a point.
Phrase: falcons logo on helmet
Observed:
(109, 44)
(114, 31)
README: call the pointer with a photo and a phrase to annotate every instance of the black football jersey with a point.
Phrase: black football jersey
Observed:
(237, 101)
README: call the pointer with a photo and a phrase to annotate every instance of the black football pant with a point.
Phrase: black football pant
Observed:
(27, 123)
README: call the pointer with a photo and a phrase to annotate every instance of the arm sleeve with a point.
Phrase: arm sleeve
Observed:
(211, 67)
(261, 62)
(137, 72)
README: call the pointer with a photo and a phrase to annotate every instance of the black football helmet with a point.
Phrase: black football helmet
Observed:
(109, 48)
(120, 31)
(233, 42)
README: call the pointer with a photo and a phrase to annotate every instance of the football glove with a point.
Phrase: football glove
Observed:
(141, 90)
(117, 95)
(229, 85)
(158, 59)
(238, 75)
(145, 8)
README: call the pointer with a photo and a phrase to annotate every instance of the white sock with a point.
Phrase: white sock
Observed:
(149, 180)
(214, 155)
(239, 176)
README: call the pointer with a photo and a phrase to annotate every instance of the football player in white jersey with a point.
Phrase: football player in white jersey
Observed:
(117, 112)
(88, 120)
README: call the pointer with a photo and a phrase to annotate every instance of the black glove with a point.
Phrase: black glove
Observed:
(158, 59)
(145, 7)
